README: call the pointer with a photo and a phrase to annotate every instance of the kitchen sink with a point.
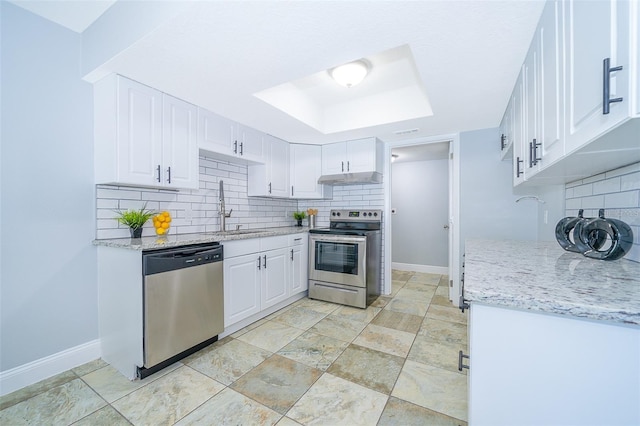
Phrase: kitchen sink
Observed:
(241, 232)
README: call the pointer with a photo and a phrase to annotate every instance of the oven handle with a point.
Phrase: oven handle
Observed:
(339, 238)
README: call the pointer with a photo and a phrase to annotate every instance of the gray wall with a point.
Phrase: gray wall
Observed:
(487, 201)
(48, 266)
(420, 195)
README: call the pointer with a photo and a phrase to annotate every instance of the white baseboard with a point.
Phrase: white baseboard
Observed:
(43, 368)
(442, 270)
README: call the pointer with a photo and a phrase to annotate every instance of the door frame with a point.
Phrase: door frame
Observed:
(455, 260)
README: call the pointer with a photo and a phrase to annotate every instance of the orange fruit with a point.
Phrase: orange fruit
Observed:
(160, 231)
(167, 219)
(165, 225)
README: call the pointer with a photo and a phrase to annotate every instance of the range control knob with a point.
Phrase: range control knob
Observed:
(333, 213)
(369, 213)
(338, 214)
(375, 214)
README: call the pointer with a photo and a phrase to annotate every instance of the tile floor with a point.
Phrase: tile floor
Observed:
(311, 363)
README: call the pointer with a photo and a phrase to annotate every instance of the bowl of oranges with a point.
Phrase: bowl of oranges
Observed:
(162, 223)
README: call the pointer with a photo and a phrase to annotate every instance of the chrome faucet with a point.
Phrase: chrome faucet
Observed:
(223, 214)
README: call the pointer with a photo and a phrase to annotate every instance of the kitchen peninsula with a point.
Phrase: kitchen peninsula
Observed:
(554, 336)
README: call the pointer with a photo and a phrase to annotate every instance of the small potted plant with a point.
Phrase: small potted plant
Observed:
(135, 219)
(299, 216)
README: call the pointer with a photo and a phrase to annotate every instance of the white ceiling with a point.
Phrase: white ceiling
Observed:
(220, 53)
(76, 15)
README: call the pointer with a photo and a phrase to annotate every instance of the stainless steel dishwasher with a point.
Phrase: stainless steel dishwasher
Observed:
(183, 303)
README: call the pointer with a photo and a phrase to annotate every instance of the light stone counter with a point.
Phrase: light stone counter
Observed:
(177, 240)
(541, 276)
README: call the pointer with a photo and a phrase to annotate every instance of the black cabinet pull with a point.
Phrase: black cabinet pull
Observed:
(461, 356)
(518, 172)
(606, 85)
(158, 169)
(169, 174)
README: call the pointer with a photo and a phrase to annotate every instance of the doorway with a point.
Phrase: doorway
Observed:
(422, 209)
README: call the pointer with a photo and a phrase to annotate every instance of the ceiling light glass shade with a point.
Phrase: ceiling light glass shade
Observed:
(350, 74)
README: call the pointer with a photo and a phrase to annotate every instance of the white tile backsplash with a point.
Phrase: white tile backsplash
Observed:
(194, 210)
(617, 191)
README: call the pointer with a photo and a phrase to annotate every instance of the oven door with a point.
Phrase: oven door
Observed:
(338, 259)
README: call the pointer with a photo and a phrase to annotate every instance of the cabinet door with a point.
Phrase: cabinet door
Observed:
(306, 168)
(361, 155)
(179, 144)
(278, 167)
(242, 280)
(595, 30)
(275, 267)
(519, 160)
(551, 101)
(250, 144)
(139, 134)
(215, 133)
(530, 75)
(299, 267)
(334, 158)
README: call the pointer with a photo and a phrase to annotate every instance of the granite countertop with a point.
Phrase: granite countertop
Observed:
(177, 240)
(541, 276)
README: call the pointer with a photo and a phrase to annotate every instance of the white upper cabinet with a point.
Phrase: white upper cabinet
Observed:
(596, 31)
(143, 137)
(361, 155)
(179, 143)
(271, 179)
(229, 139)
(306, 168)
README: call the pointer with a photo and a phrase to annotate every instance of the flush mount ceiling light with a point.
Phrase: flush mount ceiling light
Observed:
(348, 75)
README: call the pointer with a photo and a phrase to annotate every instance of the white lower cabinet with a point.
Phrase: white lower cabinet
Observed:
(260, 273)
(531, 368)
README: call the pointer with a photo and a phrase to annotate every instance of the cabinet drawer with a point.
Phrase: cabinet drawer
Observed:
(297, 239)
(241, 247)
(272, 243)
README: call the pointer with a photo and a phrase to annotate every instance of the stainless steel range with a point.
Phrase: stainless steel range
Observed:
(345, 259)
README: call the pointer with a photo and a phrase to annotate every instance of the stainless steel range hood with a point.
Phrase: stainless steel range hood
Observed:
(350, 178)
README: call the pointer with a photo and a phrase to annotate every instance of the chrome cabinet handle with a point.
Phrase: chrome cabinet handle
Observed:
(502, 137)
(342, 165)
(158, 169)
(241, 148)
(606, 85)
(460, 364)
(535, 152)
(292, 254)
(292, 190)
(259, 263)
(235, 147)
(269, 187)
(265, 262)
(518, 161)
(169, 174)
(347, 166)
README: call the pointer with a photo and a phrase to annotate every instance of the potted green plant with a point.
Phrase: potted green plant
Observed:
(299, 216)
(135, 219)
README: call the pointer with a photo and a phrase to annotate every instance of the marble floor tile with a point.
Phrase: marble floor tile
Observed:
(401, 275)
(111, 385)
(229, 362)
(451, 314)
(381, 301)
(442, 300)
(398, 321)
(402, 413)
(300, 317)
(271, 336)
(437, 353)
(444, 281)
(367, 367)
(314, 350)
(396, 286)
(335, 401)
(425, 278)
(451, 332)
(230, 408)
(106, 416)
(319, 305)
(413, 307)
(248, 328)
(338, 327)
(418, 286)
(169, 398)
(277, 383)
(37, 388)
(89, 367)
(357, 314)
(61, 405)
(212, 347)
(286, 421)
(416, 295)
(433, 388)
(278, 312)
(394, 342)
